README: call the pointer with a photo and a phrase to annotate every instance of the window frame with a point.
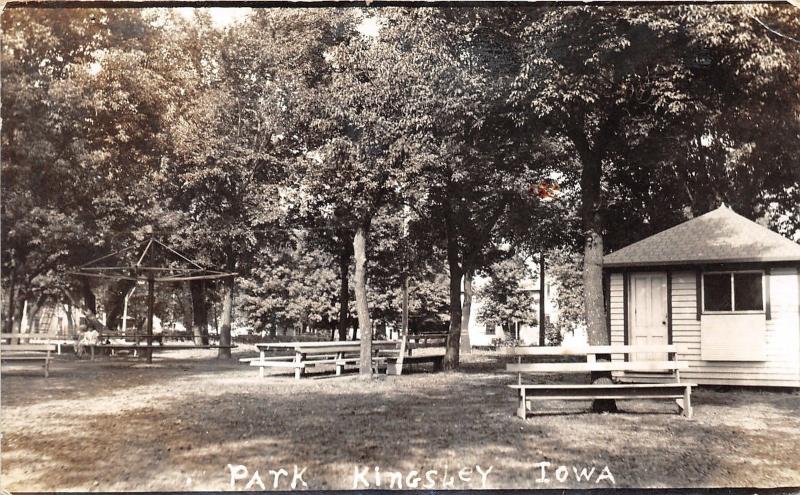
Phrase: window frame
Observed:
(733, 310)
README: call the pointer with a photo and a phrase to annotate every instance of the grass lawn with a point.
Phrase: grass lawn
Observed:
(120, 424)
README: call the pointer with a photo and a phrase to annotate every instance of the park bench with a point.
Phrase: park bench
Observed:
(309, 354)
(603, 388)
(28, 353)
(39, 338)
(135, 348)
(403, 354)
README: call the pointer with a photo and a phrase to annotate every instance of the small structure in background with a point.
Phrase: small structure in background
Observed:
(156, 263)
(486, 335)
(724, 289)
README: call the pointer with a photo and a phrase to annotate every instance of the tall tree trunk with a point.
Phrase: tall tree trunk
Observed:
(19, 311)
(199, 312)
(89, 299)
(466, 310)
(594, 304)
(33, 313)
(593, 252)
(364, 326)
(542, 316)
(70, 320)
(227, 318)
(344, 292)
(10, 302)
(404, 316)
(116, 302)
(453, 258)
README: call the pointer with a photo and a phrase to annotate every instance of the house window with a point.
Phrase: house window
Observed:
(733, 292)
(489, 328)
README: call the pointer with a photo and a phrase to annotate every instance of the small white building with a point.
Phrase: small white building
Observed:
(482, 335)
(722, 288)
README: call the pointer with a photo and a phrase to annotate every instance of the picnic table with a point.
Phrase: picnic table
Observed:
(301, 355)
(136, 347)
(659, 361)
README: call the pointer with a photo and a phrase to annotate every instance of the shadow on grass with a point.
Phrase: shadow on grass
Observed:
(210, 414)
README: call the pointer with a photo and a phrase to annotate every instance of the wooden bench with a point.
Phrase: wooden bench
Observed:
(28, 352)
(680, 392)
(399, 357)
(152, 347)
(38, 338)
(621, 361)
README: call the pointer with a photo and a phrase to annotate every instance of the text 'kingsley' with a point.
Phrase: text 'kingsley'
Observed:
(444, 478)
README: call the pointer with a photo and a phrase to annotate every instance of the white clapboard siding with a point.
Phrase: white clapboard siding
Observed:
(781, 366)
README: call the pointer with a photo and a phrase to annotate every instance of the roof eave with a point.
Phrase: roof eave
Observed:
(694, 262)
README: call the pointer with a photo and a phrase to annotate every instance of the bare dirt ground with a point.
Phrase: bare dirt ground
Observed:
(119, 424)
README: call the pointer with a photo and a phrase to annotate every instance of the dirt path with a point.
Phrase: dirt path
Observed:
(119, 424)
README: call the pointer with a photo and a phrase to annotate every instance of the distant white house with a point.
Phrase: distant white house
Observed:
(482, 335)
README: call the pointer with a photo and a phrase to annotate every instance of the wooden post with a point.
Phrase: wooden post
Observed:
(150, 304)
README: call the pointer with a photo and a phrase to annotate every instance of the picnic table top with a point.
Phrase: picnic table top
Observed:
(128, 345)
(326, 345)
(34, 336)
(588, 350)
(154, 335)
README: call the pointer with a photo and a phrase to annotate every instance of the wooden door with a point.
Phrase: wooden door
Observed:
(648, 314)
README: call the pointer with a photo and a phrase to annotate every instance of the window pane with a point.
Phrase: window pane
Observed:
(717, 292)
(747, 292)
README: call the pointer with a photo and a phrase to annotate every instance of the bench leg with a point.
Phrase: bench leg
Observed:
(261, 357)
(47, 365)
(438, 365)
(339, 369)
(687, 402)
(298, 371)
(521, 409)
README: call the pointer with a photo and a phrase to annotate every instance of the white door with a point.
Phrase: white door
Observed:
(648, 313)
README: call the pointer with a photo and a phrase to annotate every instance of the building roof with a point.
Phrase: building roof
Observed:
(719, 236)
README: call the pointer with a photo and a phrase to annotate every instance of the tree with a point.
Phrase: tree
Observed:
(607, 80)
(505, 301)
(58, 129)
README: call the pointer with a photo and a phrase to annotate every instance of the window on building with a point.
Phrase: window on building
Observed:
(490, 329)
(733, 291)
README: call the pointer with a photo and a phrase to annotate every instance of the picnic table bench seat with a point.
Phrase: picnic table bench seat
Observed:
(151, 347)
(680, 392)
(28, 352)
(651, 371)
